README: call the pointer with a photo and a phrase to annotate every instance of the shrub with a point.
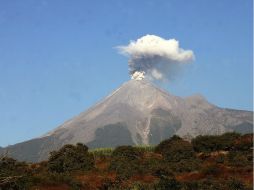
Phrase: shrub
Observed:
(128, 152)
(209, 184)
(234, 184)
(211, 170)
(162, 146)
(175, 149)
(7, 163)
(185, 165)
(226, 141)
(169, 184)
(244, 143)
(162, 170)
(14, 174)
(220, 159)
(10, 166)
(236, 158)
(125, 161)
(193, 185)
(14, 183)
(142, 186)
(70, 158)
(209, 143)
(54, 179)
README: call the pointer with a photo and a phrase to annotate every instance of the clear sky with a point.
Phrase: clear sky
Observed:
(57, 57)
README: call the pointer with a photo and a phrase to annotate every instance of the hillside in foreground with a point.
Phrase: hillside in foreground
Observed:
(207, 162)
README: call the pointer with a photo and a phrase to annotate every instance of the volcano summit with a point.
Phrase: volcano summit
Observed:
(136, 113)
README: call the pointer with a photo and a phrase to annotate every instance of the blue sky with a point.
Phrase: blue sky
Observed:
(57, 58)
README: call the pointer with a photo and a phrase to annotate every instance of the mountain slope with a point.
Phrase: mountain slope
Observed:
(136, 113)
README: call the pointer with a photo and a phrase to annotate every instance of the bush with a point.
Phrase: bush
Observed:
(244, 143)
(210, 143)
(185, 165)
(220, 159)
(71, 158)
(209, 184)
(162, 170)
(226, 141)
(7, 163)
(163, 184)
(125, 161)
(142, 186)
(14, 183)
(128, 152)
(234, 184)
(236, 158)
(54, 179)
(14, 175)
(163, 146)
(145, 148)
(211, 170)
(10, 166)
(169, 184)
(175, 149)
(193, 185)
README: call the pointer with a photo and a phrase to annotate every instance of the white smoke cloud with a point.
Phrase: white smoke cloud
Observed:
(138, 75)
(155, 57)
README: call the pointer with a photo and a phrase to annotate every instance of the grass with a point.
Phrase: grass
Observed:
(145, 148)
(97, 152)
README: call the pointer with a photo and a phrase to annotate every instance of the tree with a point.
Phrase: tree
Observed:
(125, 161)
(175, 149)
(70, 158)
(210, 143)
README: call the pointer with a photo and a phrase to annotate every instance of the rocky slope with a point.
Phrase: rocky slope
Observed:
(136, 113)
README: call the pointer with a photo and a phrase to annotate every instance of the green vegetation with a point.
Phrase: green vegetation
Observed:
(206, 163)
(125, 161)
(209, 143)
(98, 152)
(101, 152)
(71, 158)
(175, 149)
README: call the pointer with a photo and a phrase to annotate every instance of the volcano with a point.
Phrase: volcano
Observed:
(136, 113)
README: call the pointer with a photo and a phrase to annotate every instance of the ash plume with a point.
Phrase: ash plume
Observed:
(155, 58)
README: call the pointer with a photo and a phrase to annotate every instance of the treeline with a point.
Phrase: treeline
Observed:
(206, 163)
